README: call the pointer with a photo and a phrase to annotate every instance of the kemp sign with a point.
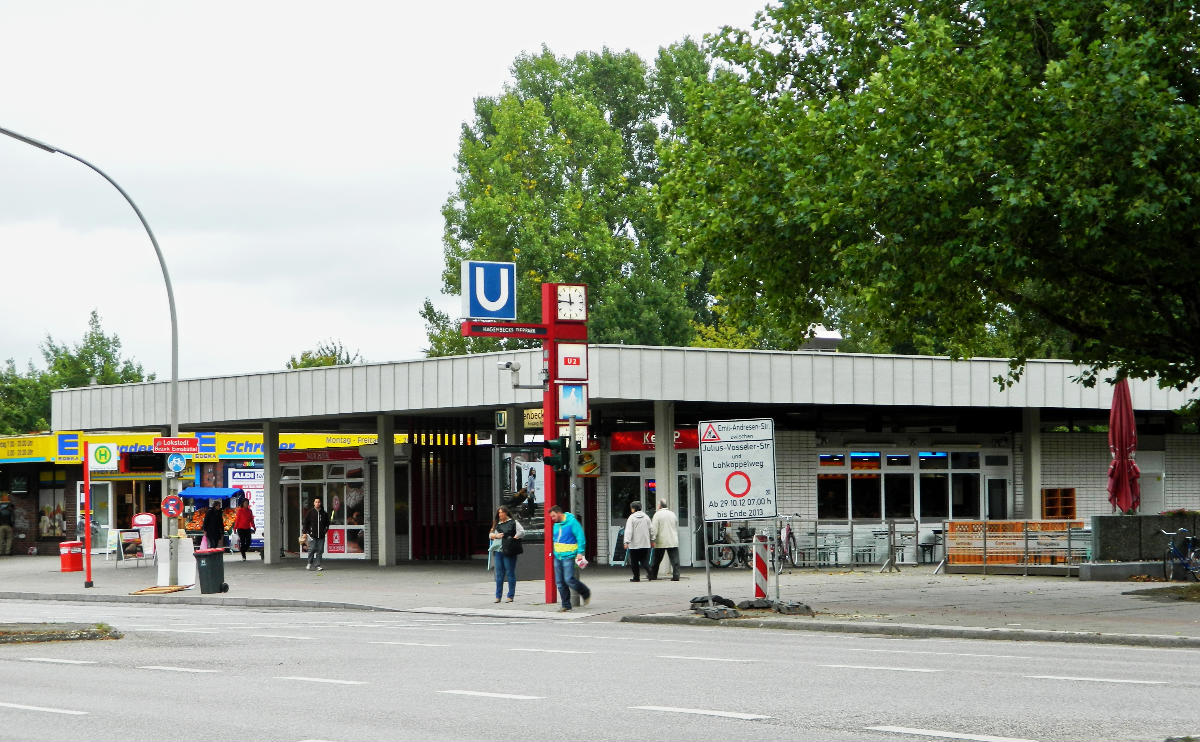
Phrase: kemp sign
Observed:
(737, 462)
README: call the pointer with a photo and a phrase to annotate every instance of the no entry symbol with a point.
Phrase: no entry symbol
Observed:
(742, 482)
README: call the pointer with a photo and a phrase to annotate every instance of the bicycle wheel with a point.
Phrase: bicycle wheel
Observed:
(1193, 564)
(793, 553)
(1169, 565)
(721, 556)
(778, 554)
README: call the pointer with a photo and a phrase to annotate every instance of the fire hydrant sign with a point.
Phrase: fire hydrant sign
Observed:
(737, 461)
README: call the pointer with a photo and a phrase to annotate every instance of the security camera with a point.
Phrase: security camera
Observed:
(508, 366)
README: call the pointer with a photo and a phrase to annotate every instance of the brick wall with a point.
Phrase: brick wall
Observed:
(1078, 460)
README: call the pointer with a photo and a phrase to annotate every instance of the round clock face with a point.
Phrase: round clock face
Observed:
(572, 303)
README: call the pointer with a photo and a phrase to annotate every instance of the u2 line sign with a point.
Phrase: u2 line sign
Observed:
(737, 461)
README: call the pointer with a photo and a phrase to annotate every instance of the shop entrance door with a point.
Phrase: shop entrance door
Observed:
(102, 513)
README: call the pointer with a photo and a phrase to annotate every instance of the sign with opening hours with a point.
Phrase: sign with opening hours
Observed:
(737, 462)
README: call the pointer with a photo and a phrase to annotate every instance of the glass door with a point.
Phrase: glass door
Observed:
(102, 516)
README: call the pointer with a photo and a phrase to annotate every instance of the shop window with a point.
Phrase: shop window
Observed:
(860, 461)
(684, 498)
(833, 459)
(897, 496)
(832, 497)
(964, 460)
(624, 491)
(336, 471)
(995, 460)
(625, 462)
(899, 459)
(935, 497)
(933, 460)
(312, 472)
(648, 464)
(964, 490)
(681, 462)
(864, 496)
(335, 503)
(289, 472)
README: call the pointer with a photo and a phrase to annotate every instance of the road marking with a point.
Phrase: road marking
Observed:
(702, 659)
(492, 695)
(948, 735)
(947, 654)
(411, 644)
(182, 631)
(628, 638)
(1097, 680)
(874, 667)
(702, 712)
(173, 669)
(283, 636)
(64, 662)
(552, 651)
(45, 709)
(320, 680)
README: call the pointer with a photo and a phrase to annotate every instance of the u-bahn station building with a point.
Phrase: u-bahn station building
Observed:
(413, 456)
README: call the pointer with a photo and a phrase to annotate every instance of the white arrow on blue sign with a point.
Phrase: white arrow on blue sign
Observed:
(489, 290)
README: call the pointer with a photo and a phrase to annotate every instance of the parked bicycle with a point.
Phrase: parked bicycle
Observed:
(731, 549)
(1181, 558)
(785, 549)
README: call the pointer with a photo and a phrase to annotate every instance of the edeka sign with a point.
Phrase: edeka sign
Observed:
(737, 463)
(489, 290)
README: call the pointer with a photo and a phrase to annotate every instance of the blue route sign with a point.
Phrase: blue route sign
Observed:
(489, 290)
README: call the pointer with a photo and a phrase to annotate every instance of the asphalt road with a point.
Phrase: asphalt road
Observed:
(217, 673)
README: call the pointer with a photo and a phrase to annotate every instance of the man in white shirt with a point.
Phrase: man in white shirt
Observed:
(664, 531)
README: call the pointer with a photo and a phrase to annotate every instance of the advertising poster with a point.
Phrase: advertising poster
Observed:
(251, 482)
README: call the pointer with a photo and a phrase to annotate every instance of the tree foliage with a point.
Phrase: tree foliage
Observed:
(987, 175)
(327, 353)
(556, 173)
(96, 358)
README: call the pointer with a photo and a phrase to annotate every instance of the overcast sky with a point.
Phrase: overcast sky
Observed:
(291, 157)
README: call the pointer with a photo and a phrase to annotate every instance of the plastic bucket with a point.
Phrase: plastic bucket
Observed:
(70, 556)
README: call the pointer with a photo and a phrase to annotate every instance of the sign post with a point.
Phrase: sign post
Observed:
(737, 464)
(87, 517)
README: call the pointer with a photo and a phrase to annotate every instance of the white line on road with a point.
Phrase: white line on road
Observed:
(182, 631)
(411, 644)
(702, 659)
(492, 695)
(947, 654)
(948, 735)
(320, 680)
(629, 638)
(1097, 680)
(551, 651)
(63, 662)
(173, 669)
(874, 667)
(702, 712)
(283, 636)
(22, 707)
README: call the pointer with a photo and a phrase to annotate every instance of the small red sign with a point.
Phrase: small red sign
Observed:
(172, 506)
(176, 445)
(643, 440)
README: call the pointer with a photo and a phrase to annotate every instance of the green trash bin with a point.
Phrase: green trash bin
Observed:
(210, 570)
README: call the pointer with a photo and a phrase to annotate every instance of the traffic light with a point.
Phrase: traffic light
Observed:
(560, 455)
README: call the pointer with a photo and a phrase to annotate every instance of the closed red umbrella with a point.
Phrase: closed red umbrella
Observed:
(1124, 492)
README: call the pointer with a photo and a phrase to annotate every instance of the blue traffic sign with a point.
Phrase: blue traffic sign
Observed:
(176, 462)
(489, 290)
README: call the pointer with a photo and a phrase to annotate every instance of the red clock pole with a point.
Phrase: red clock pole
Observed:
(549, 431)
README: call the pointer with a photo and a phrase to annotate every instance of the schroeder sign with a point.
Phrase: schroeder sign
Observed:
(737, 460)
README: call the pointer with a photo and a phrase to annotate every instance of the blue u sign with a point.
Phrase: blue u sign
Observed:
(489, 290)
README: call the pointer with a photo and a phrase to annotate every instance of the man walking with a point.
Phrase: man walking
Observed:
(664, 532)
(6, 525)
(637, 541)
(316, 525)
(569, 543)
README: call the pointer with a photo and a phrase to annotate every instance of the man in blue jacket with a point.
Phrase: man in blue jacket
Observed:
(569, 543)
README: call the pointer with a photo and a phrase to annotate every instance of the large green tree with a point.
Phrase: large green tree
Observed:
(96, 358)
(966, 171)
(556, 173)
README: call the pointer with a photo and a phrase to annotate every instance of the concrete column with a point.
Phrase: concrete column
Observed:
(514, 433)
(385, 518)
(1031, 436)
(664, 457)
(273, 494)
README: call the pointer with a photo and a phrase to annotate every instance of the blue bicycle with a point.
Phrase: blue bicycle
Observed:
(1181, 558)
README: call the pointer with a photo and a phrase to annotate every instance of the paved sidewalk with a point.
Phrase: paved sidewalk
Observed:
(1022, 607)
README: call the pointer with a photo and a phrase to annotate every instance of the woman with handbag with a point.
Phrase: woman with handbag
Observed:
(508, 532)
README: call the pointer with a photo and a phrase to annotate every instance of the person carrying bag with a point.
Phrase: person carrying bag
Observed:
(507, 532)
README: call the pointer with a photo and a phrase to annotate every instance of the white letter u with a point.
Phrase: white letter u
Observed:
(485, 302)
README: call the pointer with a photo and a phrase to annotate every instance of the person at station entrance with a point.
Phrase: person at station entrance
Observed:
(664, 532)
(6, 525)
(316, 525)
(243, 523)
(569, 543)
(637, 541)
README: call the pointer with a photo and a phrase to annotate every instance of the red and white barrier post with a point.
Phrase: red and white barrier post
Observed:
(760, 565)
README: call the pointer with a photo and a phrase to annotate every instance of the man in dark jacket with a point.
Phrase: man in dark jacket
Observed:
(214, 525)
(316, 525)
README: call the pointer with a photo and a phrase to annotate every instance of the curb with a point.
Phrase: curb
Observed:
(195, 600)
(922, 631)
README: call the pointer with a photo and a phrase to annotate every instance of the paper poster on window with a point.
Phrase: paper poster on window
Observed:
(531, 479)
(335, 541)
